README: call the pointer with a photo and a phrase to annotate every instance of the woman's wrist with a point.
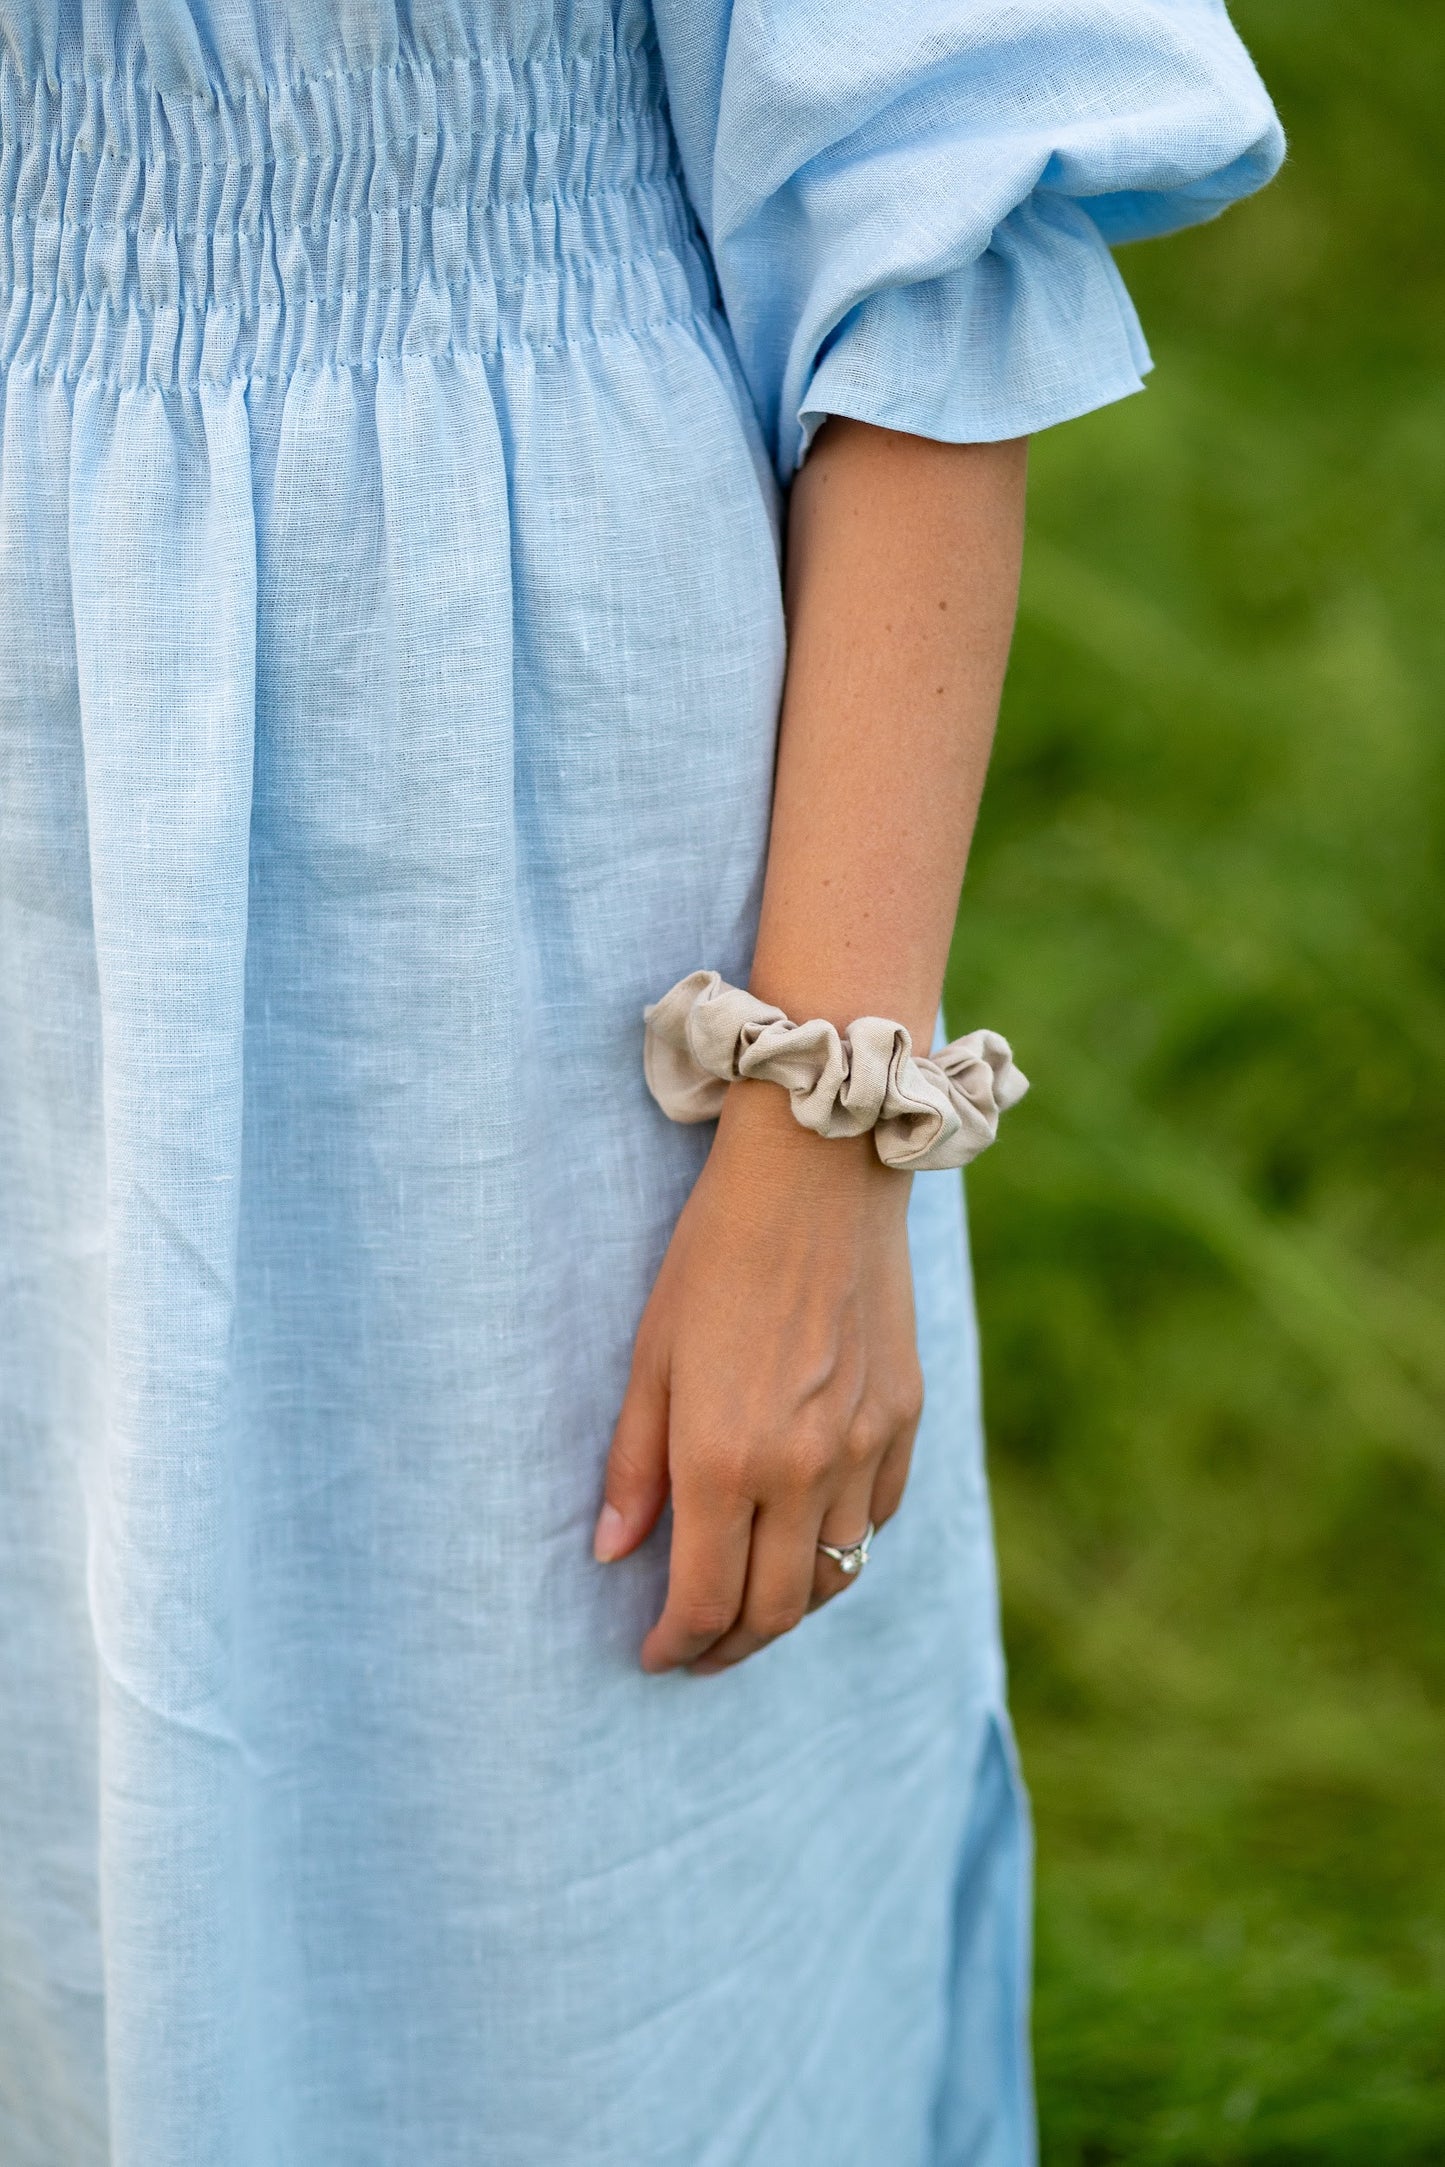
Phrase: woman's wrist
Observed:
(761, 1146)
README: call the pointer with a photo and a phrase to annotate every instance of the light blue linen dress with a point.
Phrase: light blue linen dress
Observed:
(396, 397)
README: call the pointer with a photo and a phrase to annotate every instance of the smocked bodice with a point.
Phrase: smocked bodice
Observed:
(260, 200)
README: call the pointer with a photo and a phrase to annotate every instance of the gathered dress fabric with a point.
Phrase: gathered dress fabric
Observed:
(397, 401)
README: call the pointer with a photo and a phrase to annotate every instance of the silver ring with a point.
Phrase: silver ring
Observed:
(850, 1557)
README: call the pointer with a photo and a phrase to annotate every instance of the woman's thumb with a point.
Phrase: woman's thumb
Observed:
(636, 1484)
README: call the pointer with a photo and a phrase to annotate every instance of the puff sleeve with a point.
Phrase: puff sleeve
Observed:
(910, 203)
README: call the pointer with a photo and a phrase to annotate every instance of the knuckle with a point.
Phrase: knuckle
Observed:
(910, 1402)
(888, 1492)
(715, 1471)
(866, 1441)
(705, 1617)
(809, 1456)
(743, 1462)
(779, 1616)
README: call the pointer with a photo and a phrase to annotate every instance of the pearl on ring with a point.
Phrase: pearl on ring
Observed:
(850, 1557)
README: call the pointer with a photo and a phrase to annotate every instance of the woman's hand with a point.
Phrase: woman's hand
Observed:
(775, 1386)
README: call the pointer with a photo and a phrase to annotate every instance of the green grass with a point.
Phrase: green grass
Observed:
(1205, 904)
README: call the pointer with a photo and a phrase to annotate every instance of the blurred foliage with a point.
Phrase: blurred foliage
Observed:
(1205, 904)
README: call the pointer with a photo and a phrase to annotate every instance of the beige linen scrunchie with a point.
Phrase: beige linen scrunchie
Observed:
(924, 1110)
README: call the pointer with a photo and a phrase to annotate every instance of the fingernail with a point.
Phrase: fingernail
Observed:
(610, 1538)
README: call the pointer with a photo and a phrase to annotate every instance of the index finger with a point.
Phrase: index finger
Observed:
(707, 1573)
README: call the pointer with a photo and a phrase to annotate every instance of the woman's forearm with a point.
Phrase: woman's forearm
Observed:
(776, 1387)
(902, 579)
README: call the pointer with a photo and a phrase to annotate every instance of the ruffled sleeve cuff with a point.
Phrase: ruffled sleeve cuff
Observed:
(1036, 330)
(910, 203)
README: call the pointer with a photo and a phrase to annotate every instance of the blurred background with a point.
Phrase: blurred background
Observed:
(1205, 903)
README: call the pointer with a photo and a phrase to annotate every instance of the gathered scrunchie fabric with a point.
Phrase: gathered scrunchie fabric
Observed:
(925, 1110)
